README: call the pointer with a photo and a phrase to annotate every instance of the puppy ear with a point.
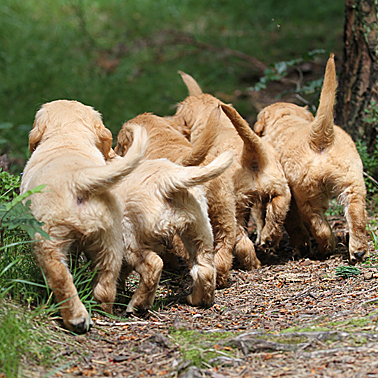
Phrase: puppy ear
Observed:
(259, 126)
(37, 131)
(105, 137)
(124, 140)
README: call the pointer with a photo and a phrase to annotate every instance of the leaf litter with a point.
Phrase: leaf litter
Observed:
(292, 318)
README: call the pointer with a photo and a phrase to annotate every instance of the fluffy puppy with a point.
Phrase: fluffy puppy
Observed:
(69, 146)
(163, 199)
(256, 176)
(320, 161)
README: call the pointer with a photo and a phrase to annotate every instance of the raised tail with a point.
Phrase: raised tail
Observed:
(322, 132)
(101, 178)
(205, 141)
(191, 176)
(193, 87)
(254, 149)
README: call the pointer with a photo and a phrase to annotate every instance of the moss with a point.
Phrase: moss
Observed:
(200, 347)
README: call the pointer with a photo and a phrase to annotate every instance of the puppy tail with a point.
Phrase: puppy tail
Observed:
(193, 87)
(205, 141)
(99, 179)
(322, 132)
(254, 151)
(191, 176)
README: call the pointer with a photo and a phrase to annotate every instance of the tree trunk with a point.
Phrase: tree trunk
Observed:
(358, 87)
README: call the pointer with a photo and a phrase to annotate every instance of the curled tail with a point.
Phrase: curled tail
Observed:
(322, 132)
(193, 87)
(101, 178)
(191, 176)
(205, 141)
(254, 149)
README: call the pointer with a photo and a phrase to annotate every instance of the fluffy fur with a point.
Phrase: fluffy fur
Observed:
(320, 161)
(163, 199)
(255, 177)
(69, 146)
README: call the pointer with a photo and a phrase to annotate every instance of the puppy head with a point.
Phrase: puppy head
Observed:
(194, 111)
(62, 116)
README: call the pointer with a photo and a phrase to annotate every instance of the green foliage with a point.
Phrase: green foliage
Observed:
(25, 336)
(16, 214)
(9, 185)
(347, 271)
(370, 159)
(118, 57)
(279, 70)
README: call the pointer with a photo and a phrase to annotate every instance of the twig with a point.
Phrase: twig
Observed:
(371, 178)
(100, 322)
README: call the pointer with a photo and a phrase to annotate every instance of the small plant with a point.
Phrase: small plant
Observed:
(279, 70)
(347, 271)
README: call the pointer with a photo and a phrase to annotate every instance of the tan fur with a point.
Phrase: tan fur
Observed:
(69, 144)
(320, 161)
(255, 177)
(166, 141)
(163, 199)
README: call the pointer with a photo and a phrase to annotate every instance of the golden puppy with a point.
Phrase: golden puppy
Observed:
(69, 145)
(320, 161)
(255, 176)
(163, 199)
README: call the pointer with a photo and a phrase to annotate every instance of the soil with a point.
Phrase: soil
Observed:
(292, 318)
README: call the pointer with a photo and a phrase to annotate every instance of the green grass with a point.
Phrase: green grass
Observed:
(198, 348)
(25, 336)
(65, 48)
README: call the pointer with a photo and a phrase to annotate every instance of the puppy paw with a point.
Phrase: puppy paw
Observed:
(360, 256)
(79, 325)
(206, 302)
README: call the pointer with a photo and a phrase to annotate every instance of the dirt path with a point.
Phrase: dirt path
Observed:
(289, 318)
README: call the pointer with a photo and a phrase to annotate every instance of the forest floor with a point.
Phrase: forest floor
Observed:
(291, 318)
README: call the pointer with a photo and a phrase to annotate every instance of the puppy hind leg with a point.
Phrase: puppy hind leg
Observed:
(355, 214)
(149, 266)
(51, 258)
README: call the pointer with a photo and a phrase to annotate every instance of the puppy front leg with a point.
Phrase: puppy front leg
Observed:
(202, 269)
(245, 250)
(298, 233)
(149, 266)
(106, 258)
(258, 211)
(314, 216)
(275, 216)
(50, 257)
